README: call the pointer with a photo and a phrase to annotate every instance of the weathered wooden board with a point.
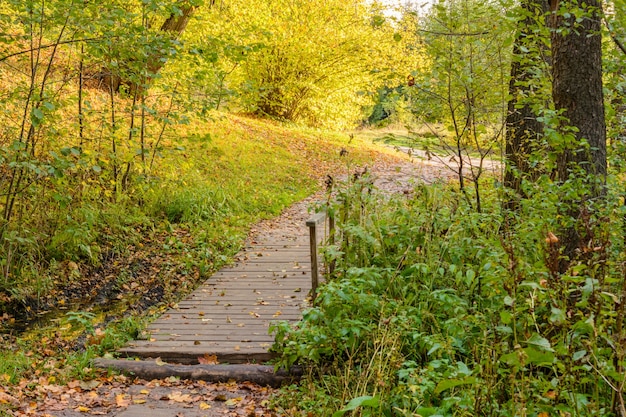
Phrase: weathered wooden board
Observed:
(259, 374)
(230, 314)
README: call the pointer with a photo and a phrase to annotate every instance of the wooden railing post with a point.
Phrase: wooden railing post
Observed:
(312, 225)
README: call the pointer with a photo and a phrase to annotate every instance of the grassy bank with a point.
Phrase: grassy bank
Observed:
(111, 264)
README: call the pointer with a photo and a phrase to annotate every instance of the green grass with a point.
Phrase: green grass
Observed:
(435, 139)
(212, 180)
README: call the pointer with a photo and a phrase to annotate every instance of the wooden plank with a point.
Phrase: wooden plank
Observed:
(186, 333)
(234, 311)
(226, 318)
(203, 339)
(190, 354)
(282, 250)
(267, 269)
(202, 347)
(229, 315)
(191, 358)
(235, 297)
(217, 333)
(258, 374)
(211, 316)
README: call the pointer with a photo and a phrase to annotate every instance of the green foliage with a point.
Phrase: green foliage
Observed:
(364, 401)
(302, 61)
(93, 127)
(81, 319)
(438, 310)
(463, 84)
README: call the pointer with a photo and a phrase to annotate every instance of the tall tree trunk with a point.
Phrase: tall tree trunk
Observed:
(522, 126)
(577, 90)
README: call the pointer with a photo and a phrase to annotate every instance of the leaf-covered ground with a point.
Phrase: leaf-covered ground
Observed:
(42, 394)
(123, 396)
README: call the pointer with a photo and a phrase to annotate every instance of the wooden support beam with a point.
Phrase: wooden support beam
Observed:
(312, 224)
(258, 374)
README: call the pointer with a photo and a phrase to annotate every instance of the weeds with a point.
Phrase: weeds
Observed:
(434, 309)
(83, 259)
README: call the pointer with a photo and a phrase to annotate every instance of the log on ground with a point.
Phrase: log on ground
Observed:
(258, 374)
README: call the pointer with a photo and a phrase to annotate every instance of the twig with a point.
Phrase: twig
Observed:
(52, 45)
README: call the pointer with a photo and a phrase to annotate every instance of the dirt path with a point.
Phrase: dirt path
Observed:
(122, 396)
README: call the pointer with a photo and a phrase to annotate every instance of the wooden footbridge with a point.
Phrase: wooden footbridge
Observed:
(228, 317)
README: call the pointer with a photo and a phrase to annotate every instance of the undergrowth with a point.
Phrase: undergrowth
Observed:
(435, 310)
(83, 252)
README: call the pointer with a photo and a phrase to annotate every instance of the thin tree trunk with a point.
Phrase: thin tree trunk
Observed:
(173, 27)
(81, 115)
(522, 126)
(113, 141)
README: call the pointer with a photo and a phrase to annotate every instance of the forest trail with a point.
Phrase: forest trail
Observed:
(123, 396)
(228, 317)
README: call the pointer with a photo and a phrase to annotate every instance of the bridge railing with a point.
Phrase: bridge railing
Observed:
(320, 225)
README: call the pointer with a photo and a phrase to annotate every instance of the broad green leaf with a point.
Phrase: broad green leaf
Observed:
(470, 275)
(557, 316)
(540, 342)
(451, 383)
(426, 411)
(506, 317)
(36, 117)
(538, 357)
(511, 359)
(364, 401)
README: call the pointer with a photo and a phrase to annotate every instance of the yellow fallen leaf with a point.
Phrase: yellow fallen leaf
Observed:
(139, 401)
(8, 399)
(179, 397)
(89, 385)
(207, 359)
(233, 402)
(144, 392)
(204, 406)
(83, 409)
(121, 400)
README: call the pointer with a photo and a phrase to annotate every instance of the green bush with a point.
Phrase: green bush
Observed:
(438, 310)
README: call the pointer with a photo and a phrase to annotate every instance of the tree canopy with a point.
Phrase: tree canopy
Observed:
(500, 292)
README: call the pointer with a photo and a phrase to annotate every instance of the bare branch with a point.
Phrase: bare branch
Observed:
(52, 45)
